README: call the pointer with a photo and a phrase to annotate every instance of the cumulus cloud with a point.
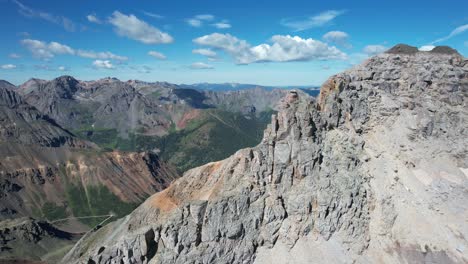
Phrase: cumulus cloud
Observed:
(93, 19)
(374, 49)
(198, 20)
(62, 68)
(131, 27)
(103, 64)
(200, 66)
(14, 56)
(8, 67)
(427, 48)
(46, 51)
(205, 52)
(455, 32)
(282, 49)
(337, 37)
(157, 55)
(33, 13)
(322, 19)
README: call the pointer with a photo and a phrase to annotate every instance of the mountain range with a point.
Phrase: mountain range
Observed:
(374, 170)
(81, 152)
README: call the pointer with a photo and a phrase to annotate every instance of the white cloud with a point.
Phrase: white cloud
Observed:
(194, 22)
(32, 13)
(374, 49)
(131, 27)
(426, 48)
(200, 66)
(46, 51)
(157, 55)
(14, 56)
(318, 20)
(153, 15)
(206, 17)
(222, 25)
(8, 66)
(337, 37)
(39, 49)
(205, 52)
(103, 64)
(198, 20)
(105, 55)
(455, 32)
(62, 68)
(281, 49)
(93, 19)
(58, 48)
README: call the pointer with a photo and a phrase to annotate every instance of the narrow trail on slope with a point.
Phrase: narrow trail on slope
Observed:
(109, 216)
(81, 217)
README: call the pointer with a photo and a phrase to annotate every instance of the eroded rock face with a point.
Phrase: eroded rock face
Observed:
(374, 172)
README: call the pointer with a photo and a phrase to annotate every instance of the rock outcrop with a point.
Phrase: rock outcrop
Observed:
(375, 171)
(25, 239)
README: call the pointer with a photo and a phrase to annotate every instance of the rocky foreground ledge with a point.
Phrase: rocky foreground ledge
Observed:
(374, 171)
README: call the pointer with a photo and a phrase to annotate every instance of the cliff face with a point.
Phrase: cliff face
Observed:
(375, 171)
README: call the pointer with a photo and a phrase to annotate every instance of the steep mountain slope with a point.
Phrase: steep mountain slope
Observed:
(374, 171)
(46, 172)
(7, 85)
(26, 240)
(140, 116)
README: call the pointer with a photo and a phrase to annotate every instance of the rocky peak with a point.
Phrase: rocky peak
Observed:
(371, 172)
(7, 85)
(445, 50)
(64, 86)
(404, 49)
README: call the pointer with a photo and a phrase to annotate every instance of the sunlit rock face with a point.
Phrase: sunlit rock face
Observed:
(374, 171)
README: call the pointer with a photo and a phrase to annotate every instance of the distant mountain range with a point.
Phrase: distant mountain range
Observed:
(88, 149)
(243, 86)
(158, 116)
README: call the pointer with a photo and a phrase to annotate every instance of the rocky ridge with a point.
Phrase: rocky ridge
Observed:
(149, 108)
(374, 171)
(33, 240)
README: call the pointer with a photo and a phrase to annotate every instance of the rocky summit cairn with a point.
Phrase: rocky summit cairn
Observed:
(374, 171)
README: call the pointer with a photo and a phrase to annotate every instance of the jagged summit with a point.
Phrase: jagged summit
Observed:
(374, 171)
(402, 49)
(7, 85)
(408, 50)
(445, 50)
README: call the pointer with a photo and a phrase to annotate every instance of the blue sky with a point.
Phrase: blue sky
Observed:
(262, 42)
